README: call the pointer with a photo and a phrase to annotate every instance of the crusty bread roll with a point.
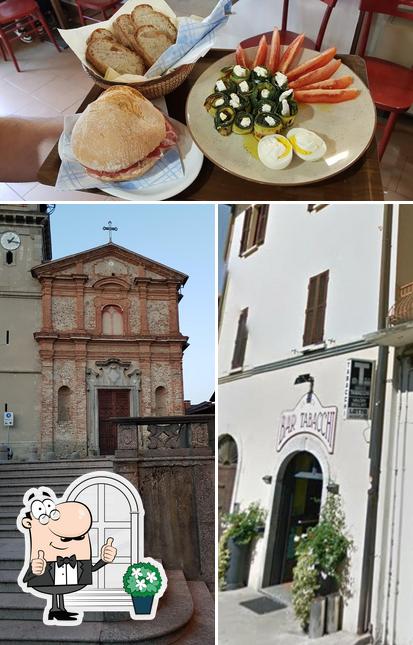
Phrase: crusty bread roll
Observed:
(151, 43)
(157, 20)
(100, 33)
(124, 29)
(103, 53)
(118, 130)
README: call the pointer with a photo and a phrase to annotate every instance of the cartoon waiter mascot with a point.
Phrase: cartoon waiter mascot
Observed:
(58, 552)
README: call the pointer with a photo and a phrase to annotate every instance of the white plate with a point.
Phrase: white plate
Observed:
(191, 157)
(347, 129)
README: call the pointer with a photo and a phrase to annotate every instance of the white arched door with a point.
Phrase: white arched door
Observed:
(117, 512)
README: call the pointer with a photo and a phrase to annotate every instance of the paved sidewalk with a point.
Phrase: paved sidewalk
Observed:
(238, 625)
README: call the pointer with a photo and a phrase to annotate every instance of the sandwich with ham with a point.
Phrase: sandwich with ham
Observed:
(121, 135)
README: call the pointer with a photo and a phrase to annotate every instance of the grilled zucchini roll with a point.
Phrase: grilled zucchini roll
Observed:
(246, 88)
(224, 119)
(265, 107)
(267, 124)
(260, 74)
(287, 109)
(225, 84)
(215, 101)
(238, 102)
(239, 74)
(243, 123)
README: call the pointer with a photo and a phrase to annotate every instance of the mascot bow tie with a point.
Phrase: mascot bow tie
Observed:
(61, 561)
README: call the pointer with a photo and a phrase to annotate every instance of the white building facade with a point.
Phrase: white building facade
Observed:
(297, 367)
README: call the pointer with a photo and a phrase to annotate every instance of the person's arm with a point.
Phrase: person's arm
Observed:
(25, 144)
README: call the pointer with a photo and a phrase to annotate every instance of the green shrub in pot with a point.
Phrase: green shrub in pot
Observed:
(240, 528)
(323, 559)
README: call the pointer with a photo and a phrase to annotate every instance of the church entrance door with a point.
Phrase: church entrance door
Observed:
(112, 403)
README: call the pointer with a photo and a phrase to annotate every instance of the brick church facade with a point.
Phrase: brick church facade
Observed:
(109, 345)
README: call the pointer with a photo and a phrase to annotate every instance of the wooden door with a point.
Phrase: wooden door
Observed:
(112, 403)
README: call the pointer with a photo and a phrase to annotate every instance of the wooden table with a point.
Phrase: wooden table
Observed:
(361, 182)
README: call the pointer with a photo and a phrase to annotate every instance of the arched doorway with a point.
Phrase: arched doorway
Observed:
(297, 504)
(227, 469)
(117, 512)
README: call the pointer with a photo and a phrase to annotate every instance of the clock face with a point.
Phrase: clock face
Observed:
(10, 241)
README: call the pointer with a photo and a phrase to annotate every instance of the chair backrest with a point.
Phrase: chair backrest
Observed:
(326, 17)
(395, 8)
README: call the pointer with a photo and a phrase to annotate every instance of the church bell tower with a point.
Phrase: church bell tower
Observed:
(25, 242)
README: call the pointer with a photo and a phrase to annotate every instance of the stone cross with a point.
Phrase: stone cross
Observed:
(110, 228)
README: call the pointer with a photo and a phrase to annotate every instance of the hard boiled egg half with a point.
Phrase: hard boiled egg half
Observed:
(275, 151)
(307, 144)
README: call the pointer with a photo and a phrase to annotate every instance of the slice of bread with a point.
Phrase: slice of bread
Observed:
(157, 20)
(124, 29)
(142, 9)
(151, 43)
(100, 33)
(104, 53)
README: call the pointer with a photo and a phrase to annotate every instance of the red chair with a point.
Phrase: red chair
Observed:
(103, 8)
(25, 12)
(391, 85)
(287, 37)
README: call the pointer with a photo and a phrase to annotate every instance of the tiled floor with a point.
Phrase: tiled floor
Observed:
(53, 84)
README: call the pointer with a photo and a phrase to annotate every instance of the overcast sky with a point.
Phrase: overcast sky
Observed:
(180, 236)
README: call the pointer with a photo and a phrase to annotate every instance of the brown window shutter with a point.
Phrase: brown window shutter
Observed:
(320, 313)
(316, 309)
(261, 223)
(245, 231)
(241, 340)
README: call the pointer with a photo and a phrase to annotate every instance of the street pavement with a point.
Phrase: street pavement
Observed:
(238, 625)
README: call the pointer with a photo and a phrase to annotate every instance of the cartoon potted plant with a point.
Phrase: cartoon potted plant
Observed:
(145, 582)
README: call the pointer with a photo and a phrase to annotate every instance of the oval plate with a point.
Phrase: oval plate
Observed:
(192, 160)
(347, 128)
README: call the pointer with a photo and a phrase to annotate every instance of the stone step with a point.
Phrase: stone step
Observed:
(9, 531)
(201, 628)
(86, 464)
(19, 491)
(62, 473)
(175, 611)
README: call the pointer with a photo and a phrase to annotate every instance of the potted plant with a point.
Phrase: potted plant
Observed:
(145, 582)
(234, 551)
(322, 560)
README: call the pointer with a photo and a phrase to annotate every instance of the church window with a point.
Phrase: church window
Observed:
(160, 402)
(112, 321)
(9, 257)
(64, 396)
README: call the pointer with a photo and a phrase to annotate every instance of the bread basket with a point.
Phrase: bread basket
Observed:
(151, 89)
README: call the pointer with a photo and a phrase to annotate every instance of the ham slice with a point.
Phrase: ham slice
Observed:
(169, 142)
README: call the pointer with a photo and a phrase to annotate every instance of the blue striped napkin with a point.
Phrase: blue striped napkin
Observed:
(195, 38)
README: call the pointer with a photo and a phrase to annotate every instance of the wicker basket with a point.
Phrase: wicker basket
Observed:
(154, 88)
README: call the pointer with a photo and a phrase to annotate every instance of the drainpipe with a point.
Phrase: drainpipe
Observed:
(376, 440)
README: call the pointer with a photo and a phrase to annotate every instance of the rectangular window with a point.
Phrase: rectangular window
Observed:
(240, 341)
(253, 231)
(316, 309)
(7, 337)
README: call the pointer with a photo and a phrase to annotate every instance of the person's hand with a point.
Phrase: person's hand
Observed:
(108, 552)
(39, 564)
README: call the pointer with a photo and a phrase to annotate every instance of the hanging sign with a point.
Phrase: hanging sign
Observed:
(357, 392)
(309, 417)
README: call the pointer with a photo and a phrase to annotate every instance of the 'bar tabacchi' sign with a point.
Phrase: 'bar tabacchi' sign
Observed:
(309, 417)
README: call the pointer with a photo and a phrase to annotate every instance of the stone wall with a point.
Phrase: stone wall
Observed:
(63, 313)
(158, 317)
(179, 501)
